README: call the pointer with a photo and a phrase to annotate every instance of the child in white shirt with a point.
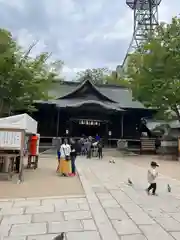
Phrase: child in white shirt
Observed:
(152, 175)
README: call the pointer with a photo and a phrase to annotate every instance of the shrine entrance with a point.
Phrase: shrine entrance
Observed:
(88, 127)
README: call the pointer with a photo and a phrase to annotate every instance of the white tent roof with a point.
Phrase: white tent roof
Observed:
(21, 121)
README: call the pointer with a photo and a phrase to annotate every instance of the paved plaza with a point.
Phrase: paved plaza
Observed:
(109, 209)
(41, 182)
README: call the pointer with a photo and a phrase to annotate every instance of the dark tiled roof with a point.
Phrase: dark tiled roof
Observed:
(120, 95)
(79, 102)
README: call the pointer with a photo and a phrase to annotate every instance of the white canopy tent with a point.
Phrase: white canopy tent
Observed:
(21, 121)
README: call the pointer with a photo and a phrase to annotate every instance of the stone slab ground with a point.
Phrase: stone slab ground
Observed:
(110, 209)
(127, 211)
(170, 168)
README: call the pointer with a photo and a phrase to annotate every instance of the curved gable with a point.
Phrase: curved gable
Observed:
(87, 88)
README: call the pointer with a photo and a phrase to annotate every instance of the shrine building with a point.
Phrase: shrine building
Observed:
(78, 109)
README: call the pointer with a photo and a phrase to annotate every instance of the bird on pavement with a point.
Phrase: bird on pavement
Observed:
(130, 182)
(60, 237)
(168, 188)
(112, 161)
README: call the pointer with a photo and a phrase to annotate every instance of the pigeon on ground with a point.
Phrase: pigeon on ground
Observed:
(112, 161)
(168, 188)
(60, 237)
(130, 182)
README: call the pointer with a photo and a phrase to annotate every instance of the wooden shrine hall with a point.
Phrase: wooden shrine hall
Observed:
(86, 109)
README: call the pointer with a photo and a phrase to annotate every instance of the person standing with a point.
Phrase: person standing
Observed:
(88, 146)
(99, 146)
(152, 175)
(82, 144)
(74, 148)
(58, 146)
(97, 138)
(65, 160)
(157, 143)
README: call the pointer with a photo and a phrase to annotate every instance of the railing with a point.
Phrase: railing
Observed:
(109, 142)
(143, 145)
(133, 145)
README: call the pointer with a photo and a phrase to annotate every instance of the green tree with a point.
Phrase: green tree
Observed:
(95, 74)
(114, 79)
(153, 70)
(23, 79)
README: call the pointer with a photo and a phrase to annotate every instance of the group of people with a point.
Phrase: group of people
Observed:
(67, 153)
(69, 149)
(88, 144)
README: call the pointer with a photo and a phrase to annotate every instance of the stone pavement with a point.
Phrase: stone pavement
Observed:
(110, 209)
(127, 213)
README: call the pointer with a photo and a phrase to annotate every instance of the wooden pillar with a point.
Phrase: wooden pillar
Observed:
(179, 149)
(107, 133)
(70, 128)
(122, 125)
(21, 163)
(57, 123)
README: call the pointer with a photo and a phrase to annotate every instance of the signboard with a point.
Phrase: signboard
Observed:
(10, 140)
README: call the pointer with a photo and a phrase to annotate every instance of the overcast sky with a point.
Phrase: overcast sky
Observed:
(82, 33)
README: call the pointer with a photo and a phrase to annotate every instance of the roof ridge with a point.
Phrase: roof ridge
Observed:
(76, 83)
(87, 80)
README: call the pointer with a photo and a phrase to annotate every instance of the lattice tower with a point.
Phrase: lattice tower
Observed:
(145, 20)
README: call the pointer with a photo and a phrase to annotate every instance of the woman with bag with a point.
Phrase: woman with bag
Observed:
(65, 160)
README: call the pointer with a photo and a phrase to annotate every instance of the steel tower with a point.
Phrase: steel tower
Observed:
(145, 20)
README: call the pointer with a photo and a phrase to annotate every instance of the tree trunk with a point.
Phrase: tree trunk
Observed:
(9, 111)
(176, 110)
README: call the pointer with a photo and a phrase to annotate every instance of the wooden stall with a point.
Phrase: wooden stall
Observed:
(13, 134)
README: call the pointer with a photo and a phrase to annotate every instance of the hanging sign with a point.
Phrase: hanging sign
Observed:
(10, 140)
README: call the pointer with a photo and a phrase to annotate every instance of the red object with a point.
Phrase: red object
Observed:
(33, 145)
(72, 174)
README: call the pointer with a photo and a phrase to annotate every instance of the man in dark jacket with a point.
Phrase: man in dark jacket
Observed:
(100, 146)
(157, 143)
(74, 148)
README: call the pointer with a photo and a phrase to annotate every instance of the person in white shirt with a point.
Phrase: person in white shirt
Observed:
(65, 161)
(151, 176)
(65, 149)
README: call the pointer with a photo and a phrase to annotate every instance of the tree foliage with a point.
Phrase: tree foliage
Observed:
(23, 79)
(153, 69)
(102, 76)
(115, 79)
(97, 75)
